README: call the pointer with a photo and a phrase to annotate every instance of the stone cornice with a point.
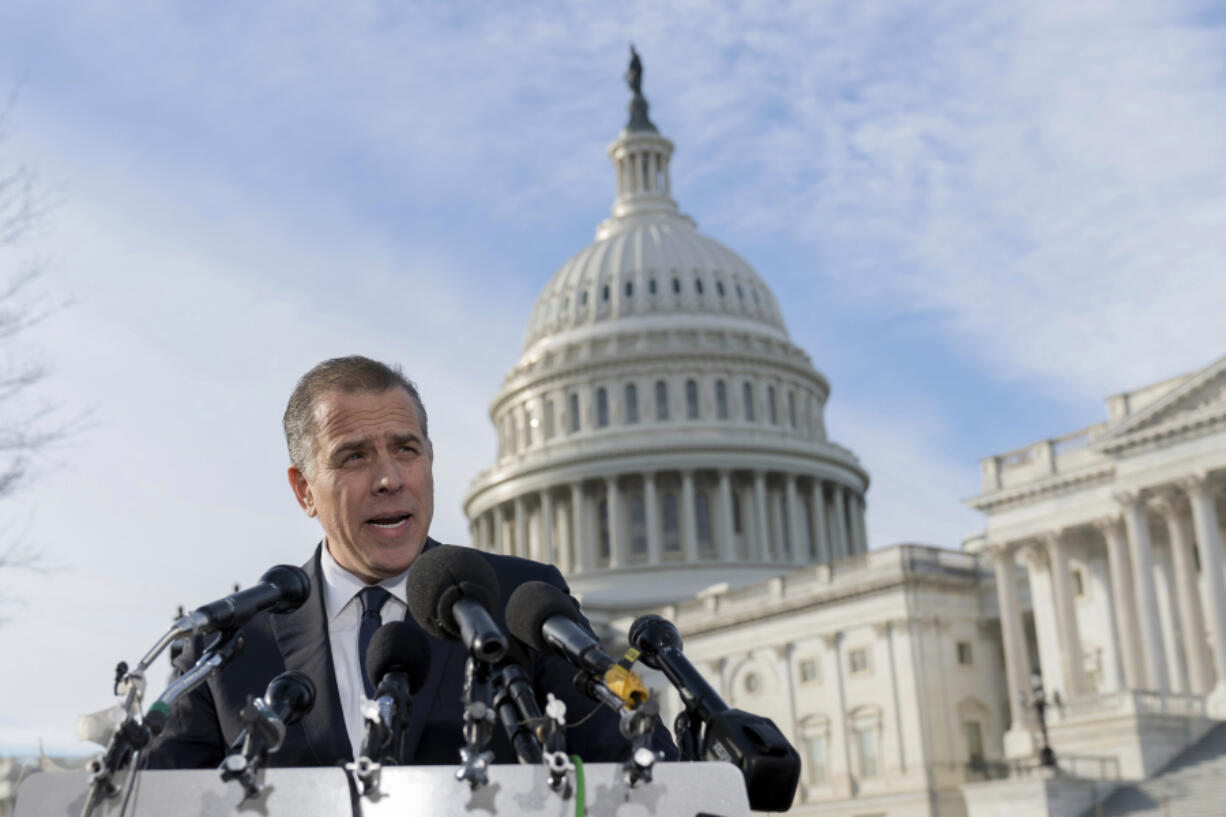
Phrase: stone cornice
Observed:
(1042, 489)
(1190, 424)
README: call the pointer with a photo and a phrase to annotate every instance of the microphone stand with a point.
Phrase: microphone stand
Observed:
(134, 734)
(265, 733)
(517, 709)
(478, 724)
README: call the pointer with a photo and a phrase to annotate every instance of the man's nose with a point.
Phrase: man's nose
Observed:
(387, 478)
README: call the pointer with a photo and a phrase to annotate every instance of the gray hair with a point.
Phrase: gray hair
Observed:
(347, 375)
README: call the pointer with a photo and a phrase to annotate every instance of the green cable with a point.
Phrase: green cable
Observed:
(578, 761)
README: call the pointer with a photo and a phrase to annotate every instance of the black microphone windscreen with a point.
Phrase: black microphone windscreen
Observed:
(294, 584)
(529, 607)
(441, 576)
(398, 645)
(292, 695)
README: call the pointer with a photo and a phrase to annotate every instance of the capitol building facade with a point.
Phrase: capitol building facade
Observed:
(661, 440)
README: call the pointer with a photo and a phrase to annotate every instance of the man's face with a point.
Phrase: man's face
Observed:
(370, 482)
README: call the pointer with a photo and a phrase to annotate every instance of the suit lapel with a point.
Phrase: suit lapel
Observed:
(302, 638)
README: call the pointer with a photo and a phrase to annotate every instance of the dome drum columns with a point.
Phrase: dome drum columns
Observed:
(678, 516)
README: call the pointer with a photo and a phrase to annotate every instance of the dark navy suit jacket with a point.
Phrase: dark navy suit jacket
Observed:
(205, 723)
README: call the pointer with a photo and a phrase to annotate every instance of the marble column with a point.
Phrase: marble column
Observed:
(841, 550)
(783, 655)
(1071, 659)
(821, 531)
(885, 660)
(584, 549)
(689, 538)
(1122, 600)
(1209, 545)
(762, 549)
(727, 536)
(613, 510)
(1191, 614)
(651, 517)
(547, 553)
(1017, 656)
(860, 523)
(499, 534)
(800, 548)
(519, 545)
(1141, 551)
(834, 669)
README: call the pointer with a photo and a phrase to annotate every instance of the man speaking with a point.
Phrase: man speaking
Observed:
(361, 462)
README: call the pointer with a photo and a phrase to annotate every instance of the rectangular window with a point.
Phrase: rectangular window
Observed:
(721, 400)
(691, 399)
(702, 519)
(974, 742)
(815, 759)
(661, 400)
(792, 408)
(530, 428)
(808, 671)
(668, 516)
(865, 740)
(549, 420)
(770, 404)
(574, 413)
(747, 401)
(638, 526)
(965, 657)
(1079, 583)
(857, 660)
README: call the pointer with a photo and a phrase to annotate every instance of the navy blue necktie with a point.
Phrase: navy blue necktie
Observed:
(373, 598)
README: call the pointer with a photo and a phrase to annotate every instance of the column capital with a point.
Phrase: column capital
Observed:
(1165, 503)
(881, 629)
(1127, 498)
(1035, 555)
(1052, 539)
(1001, 551)
(1108, 525)
(831, 639)
(783, 651)
(1195, 483)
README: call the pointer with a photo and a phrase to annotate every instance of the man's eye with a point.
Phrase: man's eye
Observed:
(352, 456)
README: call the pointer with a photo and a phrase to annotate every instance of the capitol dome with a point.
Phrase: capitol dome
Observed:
(660, 432)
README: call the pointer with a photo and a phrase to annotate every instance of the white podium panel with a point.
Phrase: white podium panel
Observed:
(689, 789)
(202, 793)
(716, 789)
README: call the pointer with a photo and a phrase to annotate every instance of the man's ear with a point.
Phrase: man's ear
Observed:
(302, 490)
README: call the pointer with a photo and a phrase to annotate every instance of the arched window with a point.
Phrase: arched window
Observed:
(632, 403)
(629, 288)
(676, 286)
(721, 400)
(574, 413)
(602, 407)
(651, 287)
(770, 405)
(661, 400)
(668, 518)
(698, 285)
(691, 399)
(747, 400)
(702, 521)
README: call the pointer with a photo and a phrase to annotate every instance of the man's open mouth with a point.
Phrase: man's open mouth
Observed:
(389, 521)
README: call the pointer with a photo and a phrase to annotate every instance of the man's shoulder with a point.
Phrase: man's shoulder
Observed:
(519, 570)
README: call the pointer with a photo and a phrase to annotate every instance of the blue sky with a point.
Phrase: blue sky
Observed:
(979, 220)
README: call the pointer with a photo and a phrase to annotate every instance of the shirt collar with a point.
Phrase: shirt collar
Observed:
(341, 586)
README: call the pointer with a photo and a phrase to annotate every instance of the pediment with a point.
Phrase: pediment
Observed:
(1202, 394)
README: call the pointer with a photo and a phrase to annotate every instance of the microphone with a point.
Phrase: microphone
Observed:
(397, 662)
(768, 762)
(289, 697)
(546, 619)
(281, 589)
(451, 590)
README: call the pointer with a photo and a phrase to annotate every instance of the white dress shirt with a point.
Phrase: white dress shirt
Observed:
(344, 611)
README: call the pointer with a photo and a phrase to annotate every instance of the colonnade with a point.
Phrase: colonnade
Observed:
(1187, 655)
(678, 515)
